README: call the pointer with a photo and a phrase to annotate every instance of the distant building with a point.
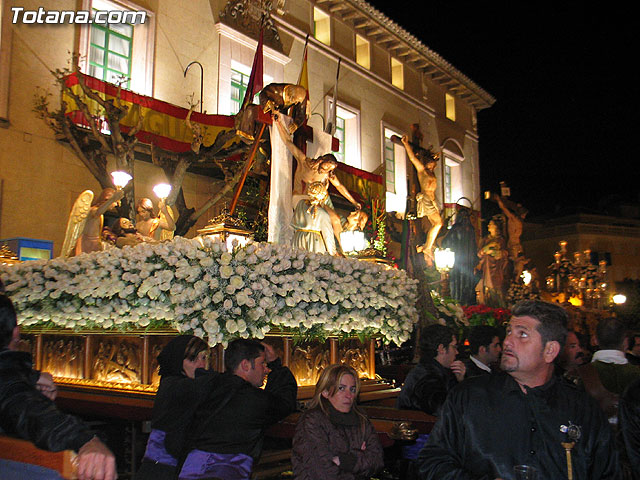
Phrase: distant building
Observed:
(614, 239)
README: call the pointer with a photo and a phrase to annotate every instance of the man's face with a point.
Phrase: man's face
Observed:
(450, 353)
(522, 350)
(636, 347)
(493, 350)
(258, 371)
(126, 225)
(572, 355)
(326, 167)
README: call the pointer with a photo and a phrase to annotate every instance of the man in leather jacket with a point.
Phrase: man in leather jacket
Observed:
(227, 431)
(524, 416)
(29, 412)
(428, 383)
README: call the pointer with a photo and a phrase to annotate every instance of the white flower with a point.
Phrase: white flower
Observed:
(231, 326)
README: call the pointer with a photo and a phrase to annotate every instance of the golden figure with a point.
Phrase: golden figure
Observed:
(86, 220)
(127, 235)
(147, 224)
(288, 99)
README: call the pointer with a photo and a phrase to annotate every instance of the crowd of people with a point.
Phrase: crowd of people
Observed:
(530, 394)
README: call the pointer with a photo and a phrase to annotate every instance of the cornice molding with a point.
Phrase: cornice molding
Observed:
(409, 49)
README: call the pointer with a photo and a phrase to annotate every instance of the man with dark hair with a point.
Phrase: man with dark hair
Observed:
(438, 371)
(484, 343)
(609, 372)
(614, 370)
(571, 357)
(227, 431)
(27, 409)
(524, 415)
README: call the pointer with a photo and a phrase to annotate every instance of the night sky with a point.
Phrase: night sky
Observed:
(560, 132)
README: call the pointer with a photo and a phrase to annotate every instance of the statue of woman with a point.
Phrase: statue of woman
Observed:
(494, 262)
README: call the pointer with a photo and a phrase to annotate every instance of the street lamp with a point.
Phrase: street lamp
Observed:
(619, 299)
(353, 241)
(444, 259)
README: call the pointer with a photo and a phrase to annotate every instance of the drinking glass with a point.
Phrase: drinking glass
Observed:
(525, 472)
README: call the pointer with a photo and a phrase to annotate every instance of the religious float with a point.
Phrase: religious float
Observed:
(97, 321)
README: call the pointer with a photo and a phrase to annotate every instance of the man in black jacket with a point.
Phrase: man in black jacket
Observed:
(428, 383)
(227, 432)
(524, 416)
(484, 343)
(26, 411)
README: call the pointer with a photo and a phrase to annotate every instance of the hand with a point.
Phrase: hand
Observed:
(336, 460)
(405, 140)
(358, 206)
(459, 369)
(96, 462)
(363, 447)
(46, 386)
(269, 353)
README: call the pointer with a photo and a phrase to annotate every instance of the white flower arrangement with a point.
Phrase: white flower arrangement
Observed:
(196, 286)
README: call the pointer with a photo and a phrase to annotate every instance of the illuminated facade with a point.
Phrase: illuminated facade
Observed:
(389, 80)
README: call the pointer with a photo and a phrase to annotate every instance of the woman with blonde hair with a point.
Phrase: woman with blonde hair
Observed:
(334, 439)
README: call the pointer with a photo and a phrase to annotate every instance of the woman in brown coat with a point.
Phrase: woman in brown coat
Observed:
(333, 439)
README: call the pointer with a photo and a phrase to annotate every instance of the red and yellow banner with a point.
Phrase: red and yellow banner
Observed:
(163, 124)
(364, 184)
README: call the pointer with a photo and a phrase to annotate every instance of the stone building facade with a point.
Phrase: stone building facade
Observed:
(388, 81)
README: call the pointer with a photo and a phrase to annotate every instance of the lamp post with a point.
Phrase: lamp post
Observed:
(228, 229)
(352, 241)
(444, 259)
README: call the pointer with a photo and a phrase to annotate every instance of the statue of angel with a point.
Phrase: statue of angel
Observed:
(86, 219)
(159, 227)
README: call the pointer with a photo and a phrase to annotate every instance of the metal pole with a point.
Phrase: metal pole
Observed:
(201, 79)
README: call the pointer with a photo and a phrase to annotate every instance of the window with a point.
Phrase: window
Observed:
(395, 172)
(348, 134)
(390, 163)
(113, 51)
(237, 52)
(240, 75)
(110, 52)
(397, 74)
(450, 106)
(452, 174)
(239, 83)
(363, 52)
(321, 26)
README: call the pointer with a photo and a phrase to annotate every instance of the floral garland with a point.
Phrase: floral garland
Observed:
(484, 315)
(450, 312)
(196, 286)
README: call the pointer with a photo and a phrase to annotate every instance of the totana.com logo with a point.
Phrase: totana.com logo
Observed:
(42, 16)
